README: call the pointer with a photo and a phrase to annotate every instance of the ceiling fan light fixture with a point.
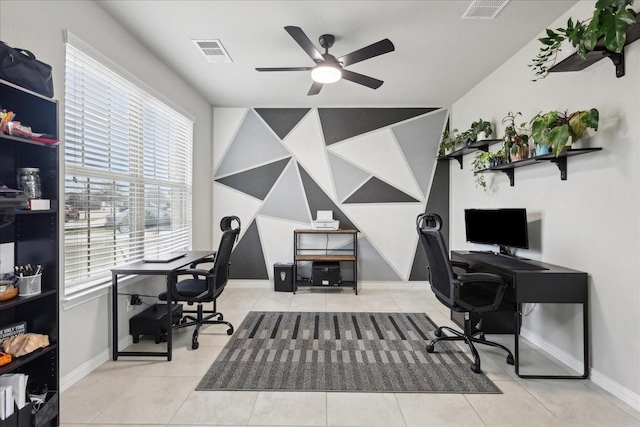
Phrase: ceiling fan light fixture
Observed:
(326, 73)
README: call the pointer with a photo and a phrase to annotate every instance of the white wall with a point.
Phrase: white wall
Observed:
(37, 26)
(589, 222)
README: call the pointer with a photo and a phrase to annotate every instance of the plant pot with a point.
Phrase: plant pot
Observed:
(542, 150)
(519, 153)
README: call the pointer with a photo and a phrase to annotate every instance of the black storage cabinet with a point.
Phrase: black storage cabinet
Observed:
(283, 277)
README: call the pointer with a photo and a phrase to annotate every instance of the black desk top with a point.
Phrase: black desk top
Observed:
(539, 266)
(159, 268)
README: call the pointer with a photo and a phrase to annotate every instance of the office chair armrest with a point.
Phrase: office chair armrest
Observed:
(460, 264)
(475, 279)
(209, 259)
(480, 277)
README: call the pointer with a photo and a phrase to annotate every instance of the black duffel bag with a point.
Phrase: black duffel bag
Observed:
(19, 66)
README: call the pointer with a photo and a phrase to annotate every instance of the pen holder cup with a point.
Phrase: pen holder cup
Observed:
(30, 285)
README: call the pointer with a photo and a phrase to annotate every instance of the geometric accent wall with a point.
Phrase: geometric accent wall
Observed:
(375, 168)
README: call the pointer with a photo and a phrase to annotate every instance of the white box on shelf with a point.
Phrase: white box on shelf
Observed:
(39, 204)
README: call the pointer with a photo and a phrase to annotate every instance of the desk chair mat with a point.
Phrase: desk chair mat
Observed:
(359, 352)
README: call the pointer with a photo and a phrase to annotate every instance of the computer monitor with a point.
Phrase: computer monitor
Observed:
(504, 227)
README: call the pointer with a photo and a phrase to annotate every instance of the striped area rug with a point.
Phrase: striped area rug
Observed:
(364, 352)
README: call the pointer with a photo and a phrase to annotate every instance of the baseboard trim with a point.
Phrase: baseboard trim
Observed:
(92, 364)
(366, 284)
(617, 390)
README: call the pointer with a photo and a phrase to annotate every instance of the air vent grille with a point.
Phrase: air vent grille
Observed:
(484, 9)
(212, 50)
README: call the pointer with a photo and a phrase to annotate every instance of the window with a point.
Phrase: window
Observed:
(128, 161)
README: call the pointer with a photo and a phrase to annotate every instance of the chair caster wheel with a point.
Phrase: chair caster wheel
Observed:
(183, 320)
(510, 360)
(230, 331)
(430, 348)
(221, 316)
(481, 336)
(195, 345)
(438, 332)
(476, 368)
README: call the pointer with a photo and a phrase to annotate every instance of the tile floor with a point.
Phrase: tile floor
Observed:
(155, 392)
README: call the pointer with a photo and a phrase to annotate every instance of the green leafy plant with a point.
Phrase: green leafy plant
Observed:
(516, 141)
(485, 160)
(478, 127)
(609, 22)
(447, 141)
(554, 128)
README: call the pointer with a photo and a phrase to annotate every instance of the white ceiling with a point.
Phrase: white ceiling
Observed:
(438, 57)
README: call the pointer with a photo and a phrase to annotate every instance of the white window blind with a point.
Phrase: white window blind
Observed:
(128, 162)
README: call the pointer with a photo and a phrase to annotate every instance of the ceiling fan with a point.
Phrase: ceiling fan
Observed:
(328, 68)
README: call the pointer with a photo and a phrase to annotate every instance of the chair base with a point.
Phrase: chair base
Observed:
(470, 339)
(200, 320)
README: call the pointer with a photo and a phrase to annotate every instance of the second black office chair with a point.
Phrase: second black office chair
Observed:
(469, 293)
(205, 285)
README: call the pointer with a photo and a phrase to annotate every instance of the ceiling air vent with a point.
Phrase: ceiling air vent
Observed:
(212, 50)
(484, 9)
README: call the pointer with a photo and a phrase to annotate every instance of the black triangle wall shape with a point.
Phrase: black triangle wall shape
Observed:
(282, 120)
(377, 191)
(256, 182)
(438, 202)
(247, 259)
(317, 200)
(343, 123)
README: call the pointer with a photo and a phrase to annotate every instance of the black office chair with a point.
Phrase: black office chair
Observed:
(205, 285)
(469, 292)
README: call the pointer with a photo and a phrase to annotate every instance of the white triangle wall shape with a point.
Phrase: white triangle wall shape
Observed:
(227, 201)
(277, 240)
(306, 144)
(387, 227)
(379, 154)
(223, 135)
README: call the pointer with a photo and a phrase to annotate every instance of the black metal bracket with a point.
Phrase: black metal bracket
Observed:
(510, 174)
(459, 159)
(618, 61)
(561, 162)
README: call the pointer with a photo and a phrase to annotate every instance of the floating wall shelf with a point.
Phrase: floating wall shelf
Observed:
(471, 147)
(560, 161)
(576, 63)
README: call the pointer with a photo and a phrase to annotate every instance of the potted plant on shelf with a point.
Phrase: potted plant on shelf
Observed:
(554, 129)
(609, 22)
(447, 142)
(486, 160)
(480, 130)
(516, 141)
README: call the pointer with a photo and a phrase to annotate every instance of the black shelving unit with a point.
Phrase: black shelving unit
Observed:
(471, 147)
(576, 63)
(560, 161)
(314, 253)
(35, 238)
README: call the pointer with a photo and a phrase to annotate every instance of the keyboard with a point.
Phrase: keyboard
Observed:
(503, 261)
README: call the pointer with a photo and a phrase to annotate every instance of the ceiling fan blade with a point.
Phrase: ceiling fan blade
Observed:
(301, 38)
(361, 79)
(373, 50)
(285, 69)
(315, 88)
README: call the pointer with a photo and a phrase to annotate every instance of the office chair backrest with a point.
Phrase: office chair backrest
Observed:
(223, 256)
(227, 221)
(435, 248)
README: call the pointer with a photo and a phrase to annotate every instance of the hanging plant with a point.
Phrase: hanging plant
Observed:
(609, 22)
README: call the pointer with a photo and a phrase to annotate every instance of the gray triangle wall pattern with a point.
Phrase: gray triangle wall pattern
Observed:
(375, 168)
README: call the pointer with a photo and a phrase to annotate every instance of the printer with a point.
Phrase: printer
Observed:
(324, 221)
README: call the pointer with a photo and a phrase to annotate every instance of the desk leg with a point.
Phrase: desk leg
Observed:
(169, 318)
(585, 341)
(114, 313)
